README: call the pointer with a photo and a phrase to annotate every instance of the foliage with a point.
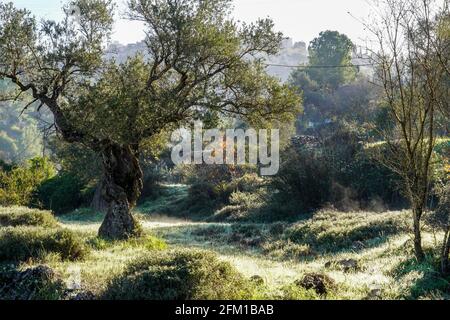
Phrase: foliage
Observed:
(20, 138)
(354, 102)
(19, 184)
(23, 243)
(39, 283)
(76, 160)
(331, 49)
(412, 70)
(213, 186)
(211, 72)
(243, 206)
(178, 275)
(61, 194)
(303, 180)
(20, 216)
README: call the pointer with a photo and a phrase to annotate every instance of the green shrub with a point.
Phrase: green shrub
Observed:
(372, 180)
(295, 292)
(302, 184)
(148, 242)
(19, 184)
(23, 243)
(212, 186)
(178, 275)
(60, 194)
(202, 197)
(151, 184)
(242, 206)
(21, 216)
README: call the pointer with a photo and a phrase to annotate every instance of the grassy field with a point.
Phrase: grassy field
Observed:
(366, 255)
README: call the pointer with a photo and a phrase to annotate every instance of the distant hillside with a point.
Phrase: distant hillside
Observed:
(290, 54)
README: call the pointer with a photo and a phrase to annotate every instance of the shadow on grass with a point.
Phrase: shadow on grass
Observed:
(82, 216)
(428, 280)
(345, 239)
(173, 201)
(250, 239)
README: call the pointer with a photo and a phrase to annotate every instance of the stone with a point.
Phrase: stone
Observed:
(258, 280)
(346, 265)
(374, 294)
(320, 283)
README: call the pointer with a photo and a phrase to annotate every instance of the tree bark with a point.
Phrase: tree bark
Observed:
(122, 187)
(98, 203)
(445, 262)
(418, 250)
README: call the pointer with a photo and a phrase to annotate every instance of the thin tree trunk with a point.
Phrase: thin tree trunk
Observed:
(445, 263)
(418, 250)
(122, 187)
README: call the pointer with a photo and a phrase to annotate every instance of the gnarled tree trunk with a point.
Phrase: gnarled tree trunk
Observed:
(98, 203)
(122, 186)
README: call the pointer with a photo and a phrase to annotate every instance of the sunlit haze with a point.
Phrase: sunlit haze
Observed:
(301, 20)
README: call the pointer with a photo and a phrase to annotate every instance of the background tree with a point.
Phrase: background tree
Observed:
(411, 75)
(197, 63)
(331, 49)
(20, 137)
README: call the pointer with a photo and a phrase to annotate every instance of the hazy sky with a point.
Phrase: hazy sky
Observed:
(301, 20)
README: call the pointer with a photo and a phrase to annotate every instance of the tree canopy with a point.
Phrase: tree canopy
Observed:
(197, 62)
(330, 56)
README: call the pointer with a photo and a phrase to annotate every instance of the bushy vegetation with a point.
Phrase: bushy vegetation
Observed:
(18, 185)
(38, 283)
(303, 183)
(23, 243)
(61, 194)
(21, 216)
(178, 275)
(322, 228)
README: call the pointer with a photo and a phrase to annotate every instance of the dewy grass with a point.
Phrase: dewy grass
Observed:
(24, 243)
(387, 269)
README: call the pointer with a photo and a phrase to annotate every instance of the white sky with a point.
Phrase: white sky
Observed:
(301, 20)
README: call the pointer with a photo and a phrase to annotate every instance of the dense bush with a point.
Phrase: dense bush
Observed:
(243, 206)
(60, 194)
(151, 184)
(337, 170)
(21, 216)
(23, 243)
(203, 197)
(18, 185)
(303, 181)
(178, 275)
(39, 283)
(212, 186)
(371, 180)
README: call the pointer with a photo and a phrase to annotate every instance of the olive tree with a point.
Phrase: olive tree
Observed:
(197, 62)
